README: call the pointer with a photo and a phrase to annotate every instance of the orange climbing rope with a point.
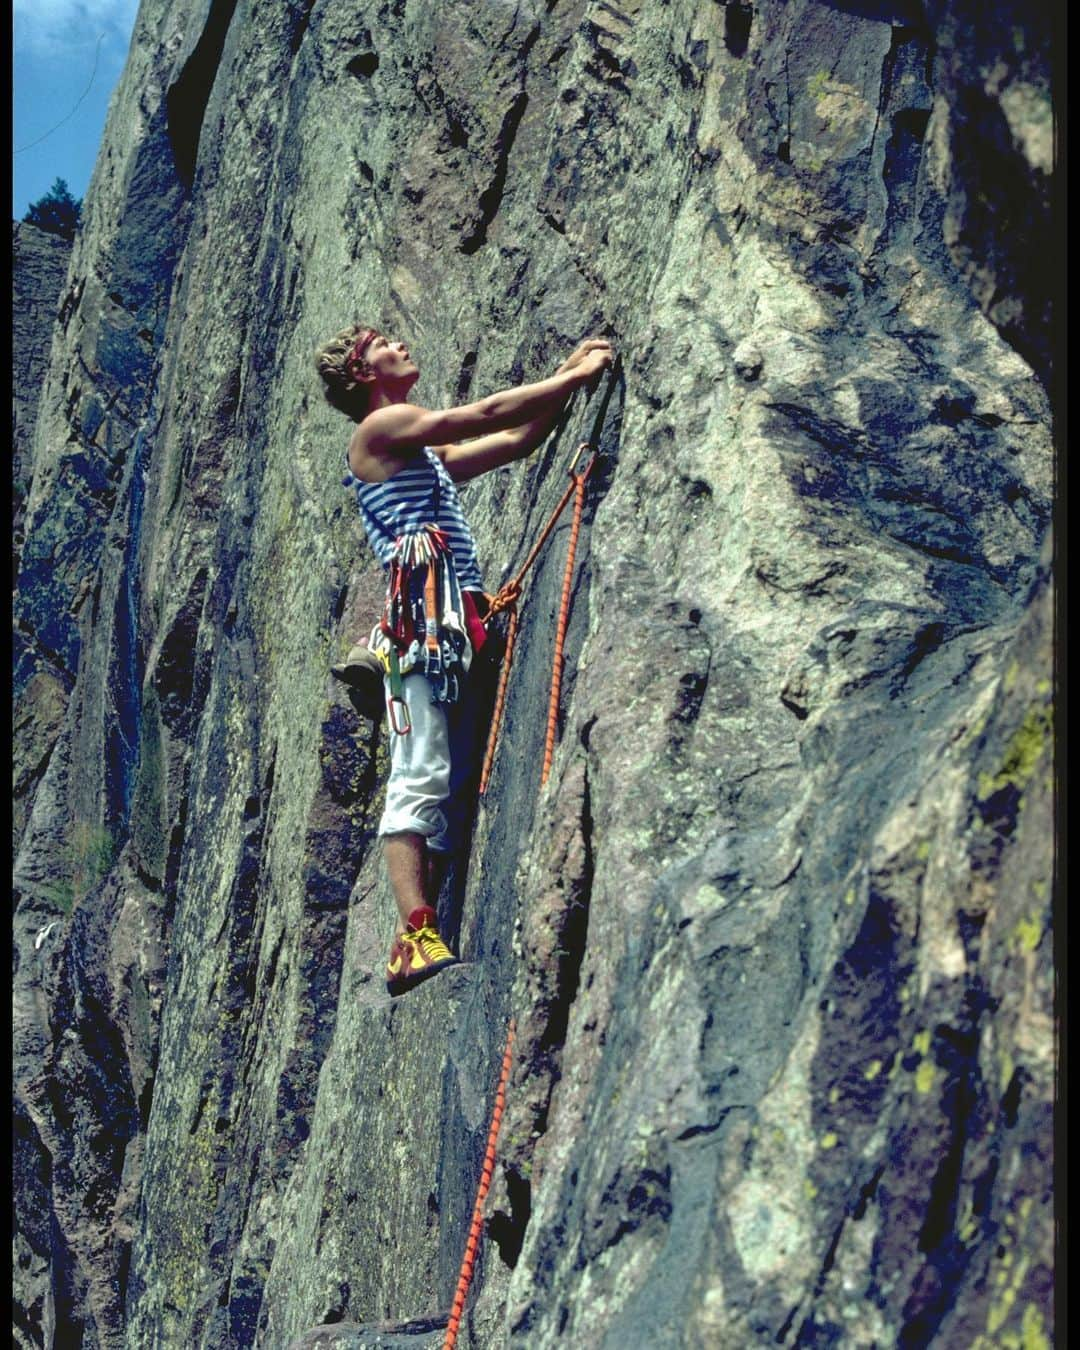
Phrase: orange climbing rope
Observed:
(473, 1243)
(500, 699)
(564, 614)
(507, 598)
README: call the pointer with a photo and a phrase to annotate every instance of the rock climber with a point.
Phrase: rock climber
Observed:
(404, 462)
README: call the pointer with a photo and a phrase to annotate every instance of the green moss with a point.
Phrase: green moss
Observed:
(817, 84)
(1032, 1330)
(1027, 934)
(1022, 754)
(59, 893)
(91, 851)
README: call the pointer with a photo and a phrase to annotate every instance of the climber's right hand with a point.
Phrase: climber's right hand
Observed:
(583, 351)
(594, 361)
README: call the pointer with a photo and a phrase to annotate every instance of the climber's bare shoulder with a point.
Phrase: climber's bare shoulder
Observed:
(389, 437)
(385, 441)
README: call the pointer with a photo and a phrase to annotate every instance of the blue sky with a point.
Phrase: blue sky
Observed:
(63, 51)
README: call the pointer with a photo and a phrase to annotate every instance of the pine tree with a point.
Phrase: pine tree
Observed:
(57, 212)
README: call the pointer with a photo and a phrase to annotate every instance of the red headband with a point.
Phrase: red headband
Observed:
(358, 348)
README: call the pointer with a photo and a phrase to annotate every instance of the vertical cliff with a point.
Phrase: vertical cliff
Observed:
(38, 267)
(777, 932)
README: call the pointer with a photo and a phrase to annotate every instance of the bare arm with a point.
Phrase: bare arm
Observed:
(403, 427)
(504, 447)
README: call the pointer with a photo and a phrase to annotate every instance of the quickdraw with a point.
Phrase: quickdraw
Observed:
(423, 620)
(400, 720)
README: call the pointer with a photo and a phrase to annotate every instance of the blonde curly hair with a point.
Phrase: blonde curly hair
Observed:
(338, 367)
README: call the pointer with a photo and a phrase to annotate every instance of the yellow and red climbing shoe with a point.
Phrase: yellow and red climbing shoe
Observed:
(417, 953)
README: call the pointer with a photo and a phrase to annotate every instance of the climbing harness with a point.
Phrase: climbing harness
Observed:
(424, 621)
(507, 598)
(472, 1244)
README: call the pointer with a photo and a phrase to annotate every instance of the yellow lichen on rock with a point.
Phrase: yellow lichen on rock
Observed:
(1022, 754)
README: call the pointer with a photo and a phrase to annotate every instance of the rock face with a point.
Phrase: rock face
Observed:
(39, 264)
(777, 932)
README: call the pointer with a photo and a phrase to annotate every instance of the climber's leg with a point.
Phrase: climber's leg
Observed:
(413, 827)
(437, 863)
(407, 867)
(417, 789)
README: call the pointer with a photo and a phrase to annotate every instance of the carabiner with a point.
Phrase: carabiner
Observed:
(577, 455)
(406, 724)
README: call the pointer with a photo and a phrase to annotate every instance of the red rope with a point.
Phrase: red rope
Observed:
(507, 598)
(500, 699)
(564, 615)
(473, 1242)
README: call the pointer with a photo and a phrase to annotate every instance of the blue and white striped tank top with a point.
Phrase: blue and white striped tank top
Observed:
(422, 493)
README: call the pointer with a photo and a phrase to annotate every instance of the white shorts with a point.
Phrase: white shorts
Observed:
(420, 780)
